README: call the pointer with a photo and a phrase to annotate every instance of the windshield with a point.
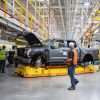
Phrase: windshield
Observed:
(68, 41)
(47, 41)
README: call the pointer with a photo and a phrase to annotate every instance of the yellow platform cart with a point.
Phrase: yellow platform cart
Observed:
(30, 71)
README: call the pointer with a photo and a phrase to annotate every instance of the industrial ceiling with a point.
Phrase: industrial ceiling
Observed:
(65, 18)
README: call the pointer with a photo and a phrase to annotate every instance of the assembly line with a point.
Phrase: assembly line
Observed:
(49, 49)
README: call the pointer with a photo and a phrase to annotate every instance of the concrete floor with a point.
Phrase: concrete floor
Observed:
(49, 88)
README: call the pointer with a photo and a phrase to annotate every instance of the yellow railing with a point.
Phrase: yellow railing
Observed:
(5, 7)
(97, 16)
(98, 12)
(25, 17)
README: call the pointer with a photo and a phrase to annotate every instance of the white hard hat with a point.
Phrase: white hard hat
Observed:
(71, 44)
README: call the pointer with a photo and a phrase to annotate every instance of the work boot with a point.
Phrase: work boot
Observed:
(3, 72)
(76, 82)
(71, 88)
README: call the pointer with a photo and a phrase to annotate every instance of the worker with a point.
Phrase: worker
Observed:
(38, 62)
(10, 57)
(16, 60)
(72, 62)
(2, 59)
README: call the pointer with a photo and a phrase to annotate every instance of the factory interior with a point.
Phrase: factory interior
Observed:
(45, 45)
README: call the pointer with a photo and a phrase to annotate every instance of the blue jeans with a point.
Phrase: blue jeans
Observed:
(2, 65)
(71, 71)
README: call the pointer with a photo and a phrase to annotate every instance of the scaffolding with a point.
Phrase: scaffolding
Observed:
(27, 14)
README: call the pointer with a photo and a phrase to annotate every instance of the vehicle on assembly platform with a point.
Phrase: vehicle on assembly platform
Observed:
(52, 51)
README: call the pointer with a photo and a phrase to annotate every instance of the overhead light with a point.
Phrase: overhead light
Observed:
(78, 25)
(96, 31)
(76, 10)
(77, 30)
(82, 17)
(87, 4)
(40, 0)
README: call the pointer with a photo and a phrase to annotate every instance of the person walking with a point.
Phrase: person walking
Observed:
(2, 59)
(72, 62)
(10, 56)
(16, 60)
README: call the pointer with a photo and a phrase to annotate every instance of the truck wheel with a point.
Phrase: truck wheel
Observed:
(35, 57)
(88, 58)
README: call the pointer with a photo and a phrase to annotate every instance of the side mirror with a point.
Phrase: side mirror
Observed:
(52, 47)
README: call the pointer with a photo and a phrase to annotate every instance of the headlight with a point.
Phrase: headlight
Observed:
(28, 52)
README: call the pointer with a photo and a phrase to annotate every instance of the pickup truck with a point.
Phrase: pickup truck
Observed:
(52, 51)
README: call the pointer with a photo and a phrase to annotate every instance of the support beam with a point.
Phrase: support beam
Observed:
(61, 15)
(63, 7)
(74, 20)
(89, 18)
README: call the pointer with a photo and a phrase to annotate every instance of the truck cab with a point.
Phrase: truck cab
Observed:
(52, 51)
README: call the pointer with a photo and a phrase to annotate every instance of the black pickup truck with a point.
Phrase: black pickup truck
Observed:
(53, 51)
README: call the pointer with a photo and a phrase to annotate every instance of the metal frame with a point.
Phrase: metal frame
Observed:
(56, 18)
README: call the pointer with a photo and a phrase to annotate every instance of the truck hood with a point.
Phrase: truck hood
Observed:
(31, 38)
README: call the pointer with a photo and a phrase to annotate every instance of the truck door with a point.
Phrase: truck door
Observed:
(58, 52)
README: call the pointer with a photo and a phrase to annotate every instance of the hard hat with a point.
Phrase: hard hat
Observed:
(71, 44)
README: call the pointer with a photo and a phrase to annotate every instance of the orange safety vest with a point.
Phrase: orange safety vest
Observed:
(75, 57)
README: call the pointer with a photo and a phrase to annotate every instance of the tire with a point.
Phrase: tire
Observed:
(88, 58)
(34, 58)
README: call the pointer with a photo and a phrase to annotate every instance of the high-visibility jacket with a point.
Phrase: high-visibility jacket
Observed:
(2, 55)
(75, 57)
